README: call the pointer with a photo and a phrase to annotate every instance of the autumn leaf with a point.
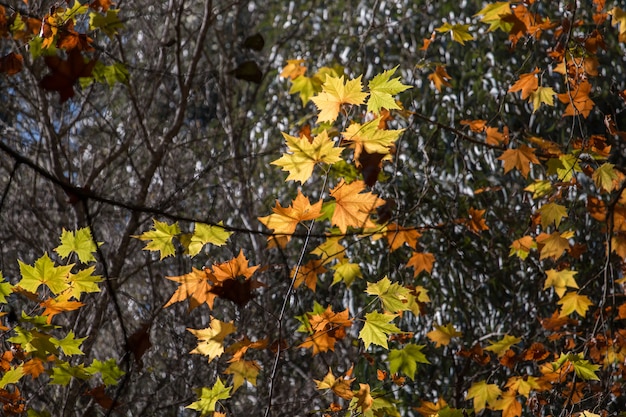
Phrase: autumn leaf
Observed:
(406, 359)
(377, 329)
(327, 328)
(346, 272)
(553, 245)
(304, 155)
(476, 223)
(243, 371)
(509, 405)
(539, 188)
(483, 394)
(460, 33)
(370, 138)
(574, 302)
(605, 177)
(69, 344)
(421, 261)
(429, 409)
(11, 376)
(44, 272)
(494, 15)
(520, 158)
(397, 235)
(578, 100)
(442, 335)
(353, 207)
(208, 398)
(335, 93)
(308, 273)
(502, 345)
(552, 213)
(79, 242)
(440, 77)
(210, 340)
(82, 282)
(233, 268)
(393, 296)
(527, 84)
(284, 220)
(340, 386)
(382, 89)
(195, 286)
(204, 234)
(542, 95)
(54, 306)
(560, 280)
(619, 19)
(364, 399)
(161, 238)
(522, 247)
(293, 69)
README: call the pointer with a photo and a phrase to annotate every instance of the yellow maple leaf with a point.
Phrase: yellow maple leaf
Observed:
(340, 386)
(460, 33)
(542, 95)
(527, 84)
(574, 302)
(483, 394)
(560, 280)
(619, 18)
(442, 335)
(519, 158)
(353, 206)
(428, 409)
(552, 213)
(364, 398)
(370, 138)
(304, 155)
(335, 93)
(243, 371)
(509, 405)
(210, 340)
(440, 77)
(553, 245)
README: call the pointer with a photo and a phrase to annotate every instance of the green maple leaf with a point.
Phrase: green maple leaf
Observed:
(69, 344)
(393, 295)
(203, 234)
(6, 289)
(108, 23)
(84, 281)
(377, 329)
(80, 242)
(161, 238)
(382, 90)
(109, 370)
(209, 398)
(44, 272)
(502, 345)
(564, 167)
(483, 394)
(604, 177)
(552, 212)
(11, 376)
(406, 359)
(583, 368)
(63, 372)
(459, 32)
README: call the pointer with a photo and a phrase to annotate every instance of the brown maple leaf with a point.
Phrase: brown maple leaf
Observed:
(65, 73)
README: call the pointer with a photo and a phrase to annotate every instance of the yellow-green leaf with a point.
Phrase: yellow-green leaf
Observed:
(80, 242)
(377, 329)
(542, 95)
(382, 90)
(552, 212)
(604, 177)
(406, 359)
(161, 238)
(208, 398)
(460, 33)
(44, 272)
(11, 376)
(483, 394)
(503, 344)
(203, 234)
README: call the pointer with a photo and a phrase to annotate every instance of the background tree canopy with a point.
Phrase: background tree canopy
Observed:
(312, 208)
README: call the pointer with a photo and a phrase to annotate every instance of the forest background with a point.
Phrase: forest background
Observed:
(312, 208)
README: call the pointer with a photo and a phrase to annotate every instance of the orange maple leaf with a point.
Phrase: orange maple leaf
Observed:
(397, 236)
(308, 273)
(233, 268)
(285, 219)
(340, 385)
(440, 77)
(195, 286)
(293, 69)
(553, 245)
(353, 207)
(328, 327)
(421, 262)
(477, 126)
(54, 306)
(519, 158)
(476, 223)
(527, 84)
(577, 100)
